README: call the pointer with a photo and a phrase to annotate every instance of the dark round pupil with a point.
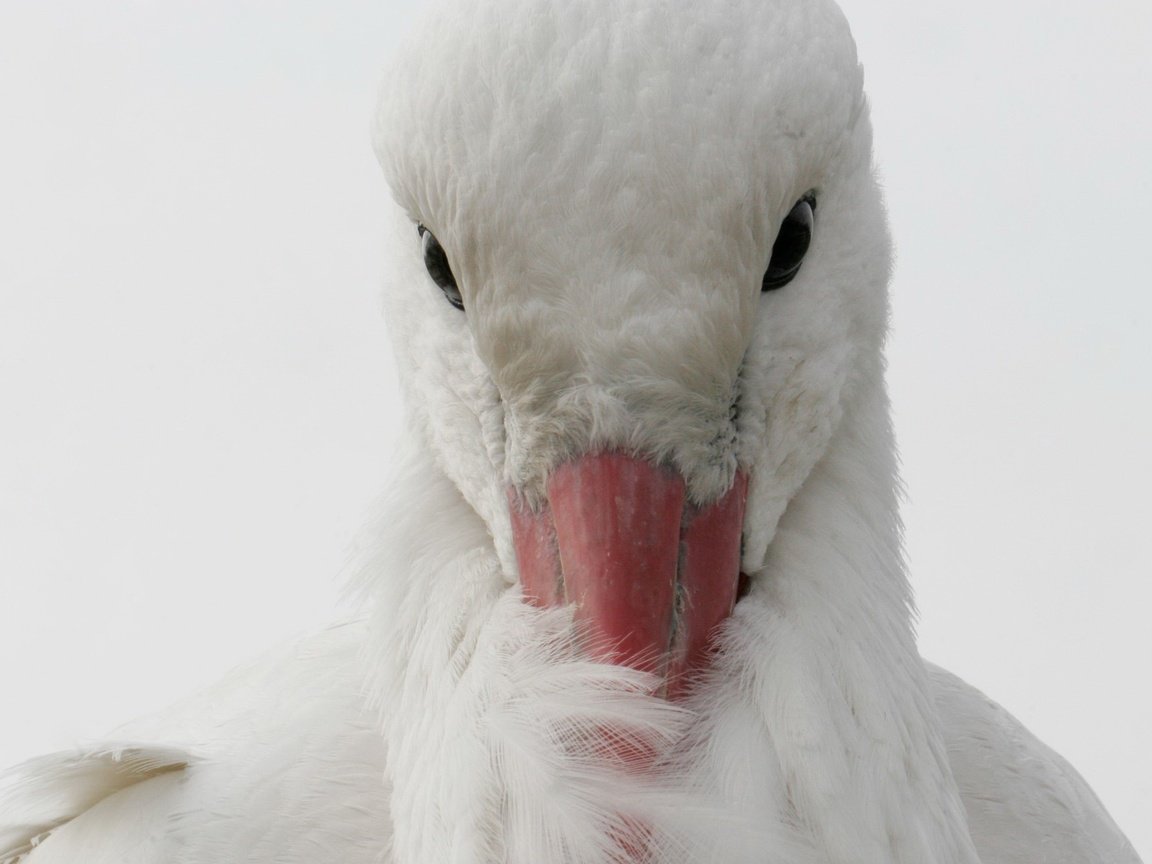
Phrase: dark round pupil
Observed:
(436, 261)
(791, 245)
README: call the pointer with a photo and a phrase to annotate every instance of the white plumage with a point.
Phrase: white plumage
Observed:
(607, 179)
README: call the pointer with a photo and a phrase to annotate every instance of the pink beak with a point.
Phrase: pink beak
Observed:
(650, 576)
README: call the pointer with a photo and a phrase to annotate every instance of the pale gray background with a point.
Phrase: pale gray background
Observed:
(196, 399)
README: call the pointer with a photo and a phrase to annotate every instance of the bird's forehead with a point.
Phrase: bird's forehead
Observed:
(620, 122)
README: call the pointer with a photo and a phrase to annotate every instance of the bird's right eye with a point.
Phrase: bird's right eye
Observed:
(436, 262)
(791, 244)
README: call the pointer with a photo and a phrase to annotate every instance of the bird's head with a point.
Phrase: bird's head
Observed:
(639, 264)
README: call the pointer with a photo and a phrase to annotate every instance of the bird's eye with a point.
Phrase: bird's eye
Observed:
(436, 260)
(791, 244)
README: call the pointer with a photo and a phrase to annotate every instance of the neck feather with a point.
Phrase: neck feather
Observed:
(822, 653)
(813, 735)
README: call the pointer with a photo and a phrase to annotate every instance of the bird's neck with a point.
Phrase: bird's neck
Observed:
(814, 734)
(822, 656)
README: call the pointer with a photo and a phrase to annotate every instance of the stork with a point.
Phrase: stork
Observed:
(637, 592)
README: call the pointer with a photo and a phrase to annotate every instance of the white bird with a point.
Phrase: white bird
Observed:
(638, 592)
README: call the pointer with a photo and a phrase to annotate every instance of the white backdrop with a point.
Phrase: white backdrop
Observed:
(196, 399)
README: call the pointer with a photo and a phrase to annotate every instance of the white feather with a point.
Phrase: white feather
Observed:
(607, 178)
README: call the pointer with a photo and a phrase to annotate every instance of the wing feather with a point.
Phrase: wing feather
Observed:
(40, 796)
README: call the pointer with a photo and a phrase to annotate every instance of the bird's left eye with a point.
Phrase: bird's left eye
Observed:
(436, 261)
(791, 244)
